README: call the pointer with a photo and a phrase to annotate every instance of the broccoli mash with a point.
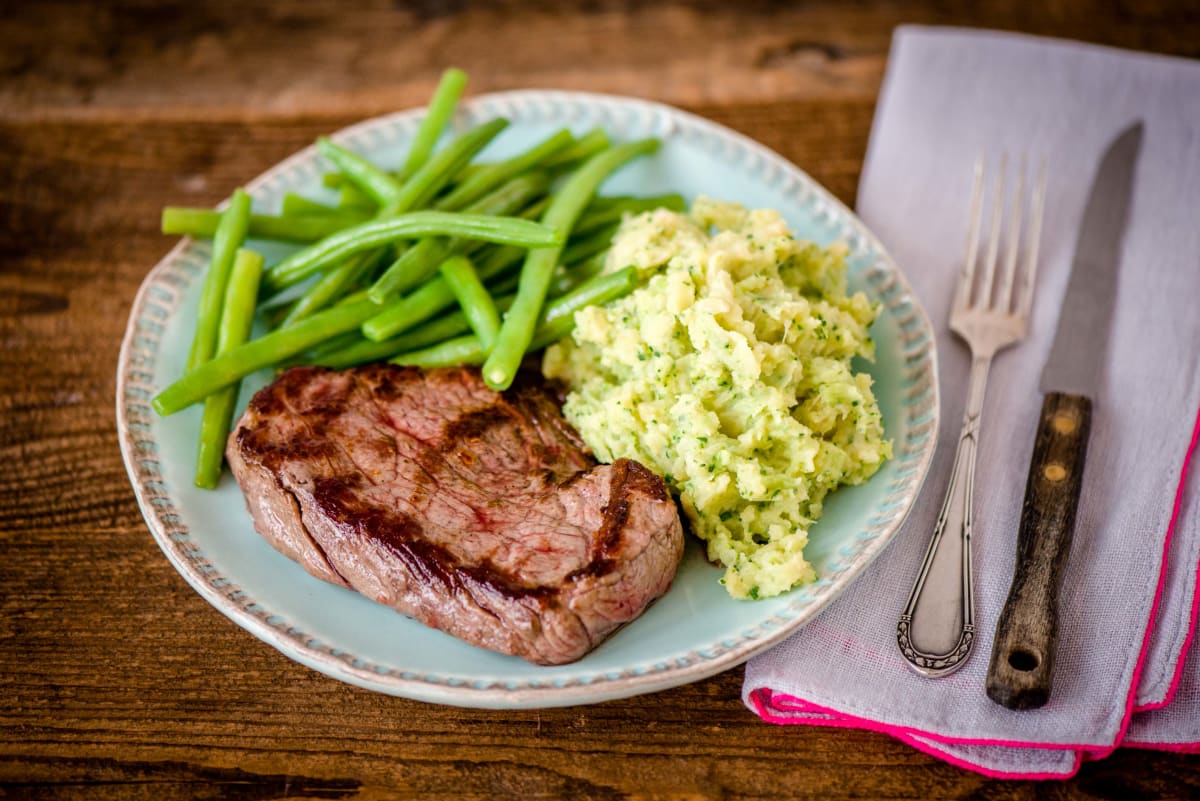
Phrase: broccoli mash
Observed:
(729, 373)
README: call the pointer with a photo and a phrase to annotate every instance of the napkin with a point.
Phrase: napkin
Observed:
(1128, 604)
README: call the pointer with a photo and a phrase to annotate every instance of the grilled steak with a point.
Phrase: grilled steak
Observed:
(475, 512)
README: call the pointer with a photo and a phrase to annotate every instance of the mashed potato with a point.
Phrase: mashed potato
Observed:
(729, 373)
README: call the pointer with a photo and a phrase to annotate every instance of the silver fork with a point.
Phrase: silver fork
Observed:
(990, 312)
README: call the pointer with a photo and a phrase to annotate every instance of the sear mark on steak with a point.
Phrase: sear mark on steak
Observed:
(478, 513)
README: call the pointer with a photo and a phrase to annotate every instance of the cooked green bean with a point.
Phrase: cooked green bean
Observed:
(434, 296)
(599, 215)
(372, 181)
(229, 236)
(518, 329)
(347, 242)
(331, 345)
(557, 321)
(419, 262)
(584, 247)
(304, 228)
(333, 285)
(582, 148)
(466, 349)
(441, 109)
(592, 266)
(423, 184)
(353, 199)
(363, 350)
(472, 297)
(294, 204)
(431, 297)
(278, 345)
(237, 318)
(425, 302)
(494, 175)
(504, 283)
(414, 266)
(567, 277)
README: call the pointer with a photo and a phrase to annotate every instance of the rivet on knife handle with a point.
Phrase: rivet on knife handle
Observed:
(1022, 665)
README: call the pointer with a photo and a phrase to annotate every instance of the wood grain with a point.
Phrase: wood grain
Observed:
(281, 59)
(1021, 670)
(116, 679)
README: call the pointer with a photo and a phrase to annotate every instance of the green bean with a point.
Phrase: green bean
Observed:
(466, 349)
(415, 265)
(487, 179)
(430, 298)
(582, 148)
(419, 262)
(274, 310)
(265, 351)
(518, 329)
(353, 199)
(441, 109)
(598, 215)
(504, 283)
(354, 297)
(229, 236)
(237, 318)
(424, 183)
(177, 221)
(593, 266)
(426, 301)
(557, 321)
(584, 247)
(331, 345)
(347, 242)
(363, 350)
(332, 285)
(559, 317)
(372, 181)
(473, 297)
(434, 296)
(567, 277)
(470, 170)
(497, 260)
(294, 204)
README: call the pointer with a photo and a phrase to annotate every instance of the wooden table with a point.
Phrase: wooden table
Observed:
(116, 679)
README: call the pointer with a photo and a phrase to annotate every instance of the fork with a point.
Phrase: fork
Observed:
(990, 312)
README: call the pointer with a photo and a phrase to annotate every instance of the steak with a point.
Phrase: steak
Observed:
(475, 512)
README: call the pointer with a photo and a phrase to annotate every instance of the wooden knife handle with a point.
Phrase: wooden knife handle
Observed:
(1022, 666)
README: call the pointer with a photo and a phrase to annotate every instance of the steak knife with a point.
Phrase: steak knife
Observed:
(1022, 664)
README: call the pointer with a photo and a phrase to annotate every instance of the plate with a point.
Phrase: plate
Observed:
(696, 629)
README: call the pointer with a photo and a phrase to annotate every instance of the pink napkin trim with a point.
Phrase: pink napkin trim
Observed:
(785, 709)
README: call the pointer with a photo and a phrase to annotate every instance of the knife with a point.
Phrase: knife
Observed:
(1022, 665)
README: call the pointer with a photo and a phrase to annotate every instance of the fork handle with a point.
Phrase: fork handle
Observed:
(937, 628)
(1022, 664)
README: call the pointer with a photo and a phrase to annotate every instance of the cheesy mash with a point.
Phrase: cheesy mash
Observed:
(729, 372)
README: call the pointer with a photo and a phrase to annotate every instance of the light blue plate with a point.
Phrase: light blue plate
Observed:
(695, 630)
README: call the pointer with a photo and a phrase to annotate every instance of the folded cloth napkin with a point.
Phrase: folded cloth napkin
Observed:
(1128, 604)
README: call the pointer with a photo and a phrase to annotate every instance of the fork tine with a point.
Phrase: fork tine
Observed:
(970, 255)
(1008, 275)
(1035, 236)
(989, 264)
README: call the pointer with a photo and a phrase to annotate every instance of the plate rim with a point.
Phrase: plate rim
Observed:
(135, 385)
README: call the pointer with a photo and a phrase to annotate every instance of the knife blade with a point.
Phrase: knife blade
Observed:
(1021, 671)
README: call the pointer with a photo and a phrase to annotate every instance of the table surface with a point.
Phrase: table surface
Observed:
(116, 679)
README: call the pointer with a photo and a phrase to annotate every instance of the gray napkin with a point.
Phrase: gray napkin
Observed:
(1127, 603)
